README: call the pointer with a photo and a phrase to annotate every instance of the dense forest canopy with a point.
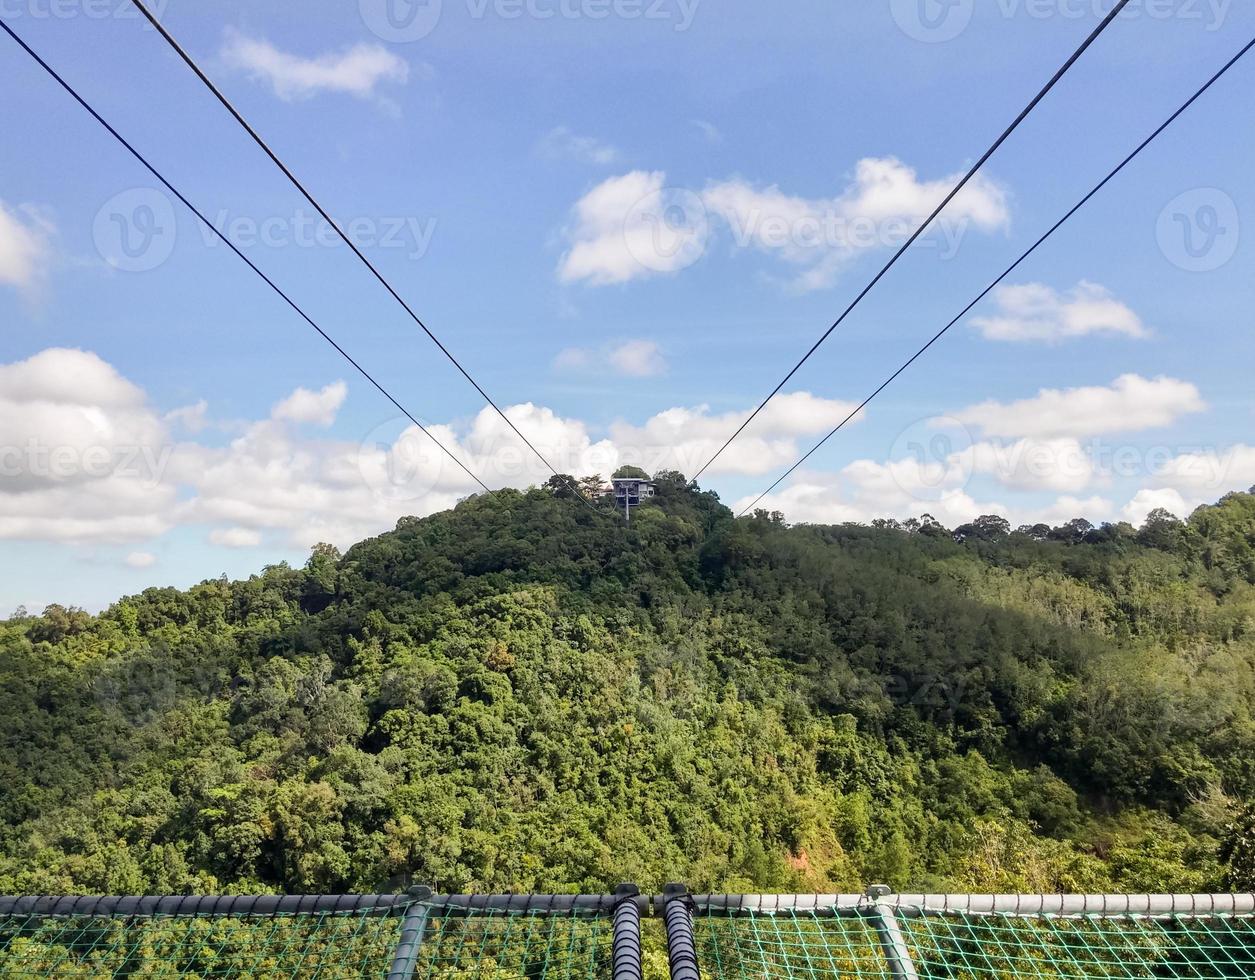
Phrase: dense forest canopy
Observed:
(527, 693)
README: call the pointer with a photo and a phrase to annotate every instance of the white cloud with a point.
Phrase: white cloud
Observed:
(632, 227)
(638, 359)
(1060, 465)
(709, 130)
(1036, 460)
(356, 71)
(560, 142)
(1205, 473)
(879, 208)
(68, 376)
(1146, 500)
(1034, 311)
(633, 359)
(685, 438)
(866, 489)
(1065, 508)
(116, 508)
(192, 418)
(274, 481)
(1131, 403)
(574, 359)
(81, 452)
(1185, 481)
(24, 247)
(303, 490)
(315, 407)
(141, 559)
(123, 477)
(67, 417)
(235, 537)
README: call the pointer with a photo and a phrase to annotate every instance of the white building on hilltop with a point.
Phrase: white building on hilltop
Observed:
(631, 491)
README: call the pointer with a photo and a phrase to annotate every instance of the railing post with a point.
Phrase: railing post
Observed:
(626, 951)
(677, 913)
(413, 926)
(897, 953)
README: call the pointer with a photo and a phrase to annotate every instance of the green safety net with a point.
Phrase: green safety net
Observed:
(280, 947)
(539, 944)
(960, 946)
(969, 946)
(329, 946)
(789, 944)
(523, 944)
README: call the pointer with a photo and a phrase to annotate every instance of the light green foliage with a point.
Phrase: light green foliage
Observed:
(526, 694)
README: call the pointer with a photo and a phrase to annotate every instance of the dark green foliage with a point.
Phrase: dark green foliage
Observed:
(528, 693)
(1239, 851)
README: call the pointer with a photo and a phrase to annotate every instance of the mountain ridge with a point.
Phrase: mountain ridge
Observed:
(524, 694)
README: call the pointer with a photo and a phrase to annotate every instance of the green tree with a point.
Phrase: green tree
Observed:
(1238, 852)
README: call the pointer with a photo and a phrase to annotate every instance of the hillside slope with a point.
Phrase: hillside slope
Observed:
(523, 694)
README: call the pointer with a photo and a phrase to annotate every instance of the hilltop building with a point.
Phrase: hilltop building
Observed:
(631, 491)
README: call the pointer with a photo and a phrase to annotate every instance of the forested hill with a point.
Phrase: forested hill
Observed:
(524, 693)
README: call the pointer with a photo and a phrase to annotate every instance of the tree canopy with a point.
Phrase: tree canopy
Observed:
(526, 693)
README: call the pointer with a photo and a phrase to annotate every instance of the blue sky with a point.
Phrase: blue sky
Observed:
(628, 220)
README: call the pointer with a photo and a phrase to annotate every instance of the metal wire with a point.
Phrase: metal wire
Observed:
(1006, 272)
(972, 171)
(230, 244)
(287, 172)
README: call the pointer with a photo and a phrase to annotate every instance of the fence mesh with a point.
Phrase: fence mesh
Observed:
(955, 945)
(509, 945)
(789, 944)
(536, 942)
(947, 945)
(281, 947)
(526, 944)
